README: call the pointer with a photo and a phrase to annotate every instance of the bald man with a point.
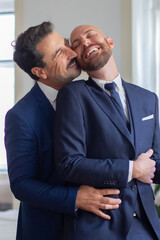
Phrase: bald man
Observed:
(114, 141)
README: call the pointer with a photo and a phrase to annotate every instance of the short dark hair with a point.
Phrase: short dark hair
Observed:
(26, 55)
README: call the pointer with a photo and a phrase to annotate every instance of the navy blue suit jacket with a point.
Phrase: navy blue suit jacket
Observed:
(33, 178)
(93, 146)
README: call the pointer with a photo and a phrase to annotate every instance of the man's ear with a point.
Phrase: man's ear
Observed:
(110, 41)
(39, 72)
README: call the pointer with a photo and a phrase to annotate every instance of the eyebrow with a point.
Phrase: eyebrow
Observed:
(89, 30)
(57, 51)
(66, 41)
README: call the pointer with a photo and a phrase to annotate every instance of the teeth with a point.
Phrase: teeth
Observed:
(72, 64)
(92, 50)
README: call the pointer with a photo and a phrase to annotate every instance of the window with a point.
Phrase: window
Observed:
(7, 26)
(146, 44)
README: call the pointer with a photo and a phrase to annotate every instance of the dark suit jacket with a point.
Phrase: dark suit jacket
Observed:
(33, 178)
(93, 146)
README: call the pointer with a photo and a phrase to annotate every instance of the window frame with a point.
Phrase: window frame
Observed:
(7, 63)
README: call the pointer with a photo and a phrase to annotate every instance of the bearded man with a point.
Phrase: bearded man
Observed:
(107, 135)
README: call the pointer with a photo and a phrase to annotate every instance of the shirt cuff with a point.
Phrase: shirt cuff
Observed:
(130, 171)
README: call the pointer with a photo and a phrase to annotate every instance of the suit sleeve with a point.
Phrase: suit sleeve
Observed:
(22, 156)
(156, 143)
(73, 163)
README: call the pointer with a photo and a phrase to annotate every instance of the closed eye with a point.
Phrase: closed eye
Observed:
(75, 45)
(56, 53)
(59, 50)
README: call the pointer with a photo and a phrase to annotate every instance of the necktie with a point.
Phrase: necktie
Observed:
(116, 99)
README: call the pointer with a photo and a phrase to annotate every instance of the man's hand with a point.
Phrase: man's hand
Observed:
(144, 167)
(93, 200)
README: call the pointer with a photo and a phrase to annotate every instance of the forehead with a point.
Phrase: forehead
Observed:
(52, 41)
(83, 30)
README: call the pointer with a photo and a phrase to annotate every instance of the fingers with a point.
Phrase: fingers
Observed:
(155, 167)
(149, 181)
(149, 153)
(144, 167)
(109, 191)
(108, 206)
(102, 214)
(95, 200)
(97, 208)
(146, 155)
(152, 173)
(110, 201)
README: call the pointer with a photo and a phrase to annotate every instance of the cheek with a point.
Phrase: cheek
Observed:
(60, 67)
(78, 51)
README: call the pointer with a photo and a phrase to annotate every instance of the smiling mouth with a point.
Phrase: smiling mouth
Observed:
(92, 51)
(72, 63)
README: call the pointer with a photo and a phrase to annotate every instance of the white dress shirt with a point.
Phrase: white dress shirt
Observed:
(49, 92)
(122, 95)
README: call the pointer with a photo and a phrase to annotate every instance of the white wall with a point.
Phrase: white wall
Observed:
(66, 14)
(6, 5)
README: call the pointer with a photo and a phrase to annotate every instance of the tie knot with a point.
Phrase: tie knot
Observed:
(110, 86)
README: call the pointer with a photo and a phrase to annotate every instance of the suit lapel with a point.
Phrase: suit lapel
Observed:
(133, 100)
(44, 105)
(105, 103)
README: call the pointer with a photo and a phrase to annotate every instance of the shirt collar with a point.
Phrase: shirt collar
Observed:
(49, 92)
(117, 80)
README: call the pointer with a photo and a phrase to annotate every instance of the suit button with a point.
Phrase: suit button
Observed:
(105, 182)
(114, 183)
(134, 187)
(110, 183)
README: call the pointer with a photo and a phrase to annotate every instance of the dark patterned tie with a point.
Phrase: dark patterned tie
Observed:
(111, 87)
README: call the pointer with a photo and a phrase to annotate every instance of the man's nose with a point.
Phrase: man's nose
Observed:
(72, 53)
(85, 42)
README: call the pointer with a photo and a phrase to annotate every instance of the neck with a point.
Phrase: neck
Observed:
(108, 73)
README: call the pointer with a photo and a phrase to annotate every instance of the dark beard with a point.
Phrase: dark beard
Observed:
(97, 62)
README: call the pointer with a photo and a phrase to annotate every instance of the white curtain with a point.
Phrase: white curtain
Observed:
(146, 44)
